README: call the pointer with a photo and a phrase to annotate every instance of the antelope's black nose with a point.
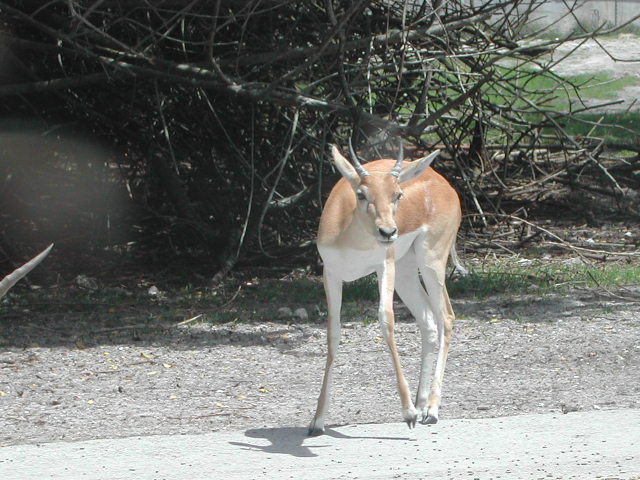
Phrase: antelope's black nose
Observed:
(388, 233)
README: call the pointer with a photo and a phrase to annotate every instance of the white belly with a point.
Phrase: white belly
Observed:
(350, 264)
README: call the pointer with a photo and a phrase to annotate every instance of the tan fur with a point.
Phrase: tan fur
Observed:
(428, 199)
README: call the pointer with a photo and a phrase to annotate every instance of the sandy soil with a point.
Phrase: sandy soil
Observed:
(510, 355)
(619, 56)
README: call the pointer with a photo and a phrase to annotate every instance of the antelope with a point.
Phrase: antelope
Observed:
(399, 220)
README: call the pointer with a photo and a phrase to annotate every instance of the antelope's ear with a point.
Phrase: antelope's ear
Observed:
(416, 168)
(344, 167)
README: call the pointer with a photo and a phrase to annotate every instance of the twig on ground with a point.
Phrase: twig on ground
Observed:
(609, 292)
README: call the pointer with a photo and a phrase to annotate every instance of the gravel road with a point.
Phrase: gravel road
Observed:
(510, 356)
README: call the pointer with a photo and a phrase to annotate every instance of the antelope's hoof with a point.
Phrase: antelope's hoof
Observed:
(410, 416)
(315, 429)
(429, 420)
(411, 422)
(429, 416)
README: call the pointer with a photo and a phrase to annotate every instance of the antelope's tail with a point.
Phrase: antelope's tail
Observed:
(456, 261)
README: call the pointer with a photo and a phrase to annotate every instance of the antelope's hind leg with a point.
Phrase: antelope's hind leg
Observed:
(414, 296)
(442, 318)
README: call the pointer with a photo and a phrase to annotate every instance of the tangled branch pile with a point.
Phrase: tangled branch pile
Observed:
(212, 119)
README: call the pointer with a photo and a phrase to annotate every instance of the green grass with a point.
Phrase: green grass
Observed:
(551, 94)
(558, 93)
(488, 282)
(365, 289)
(304, 290)
(601, 86)
(259, 300)
(310, 290)
(503, 278)
(540, 277)
(614, 127)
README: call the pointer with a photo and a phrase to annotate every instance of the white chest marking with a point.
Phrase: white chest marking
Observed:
(350, 264)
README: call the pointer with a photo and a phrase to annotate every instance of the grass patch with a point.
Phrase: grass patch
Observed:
(551, 94)
(540, 277)
(550, 91)
(259, 300)
(614, 127)
(601, 85)
(303, 290)
(307, 290)
(503, 278)
(483, 283)
(364, 289)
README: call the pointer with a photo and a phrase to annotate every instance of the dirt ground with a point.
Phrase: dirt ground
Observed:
(510, 355)
(618, 55)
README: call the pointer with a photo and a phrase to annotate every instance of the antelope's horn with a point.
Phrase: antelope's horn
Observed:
(397, 168)
(362, 172)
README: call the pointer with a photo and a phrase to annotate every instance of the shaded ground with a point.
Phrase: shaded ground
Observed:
(510, 355)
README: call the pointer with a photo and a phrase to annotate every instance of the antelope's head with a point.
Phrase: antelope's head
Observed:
(379, 193)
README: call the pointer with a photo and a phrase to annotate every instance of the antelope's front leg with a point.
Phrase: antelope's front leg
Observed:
(333, 290)
(386, 280)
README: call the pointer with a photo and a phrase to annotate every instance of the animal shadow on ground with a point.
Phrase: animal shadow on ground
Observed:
(290, 440)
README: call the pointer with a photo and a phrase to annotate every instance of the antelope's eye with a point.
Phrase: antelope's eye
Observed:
(397, 196)
(360, 194)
